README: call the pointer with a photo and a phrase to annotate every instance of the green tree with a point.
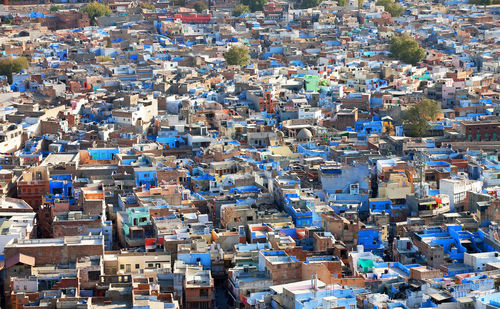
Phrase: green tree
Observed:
(237, 55)
(199, 6)
(406, 49)
(482, 2)
(148, 6)
(391, 7)
(306, 4)
(342, 2)
(415, 119)
(360, 3)
(55, 8)
(12, 65)
(95, 10)
(240, 9)
(254, 5)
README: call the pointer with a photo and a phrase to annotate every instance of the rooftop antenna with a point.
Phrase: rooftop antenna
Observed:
(420, 163)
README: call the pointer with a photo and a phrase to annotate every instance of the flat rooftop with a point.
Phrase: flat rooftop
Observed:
(57, 158)
(68, 240)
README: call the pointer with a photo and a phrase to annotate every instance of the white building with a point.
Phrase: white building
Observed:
(306, 112)
(457, 190)
(479, 260)
(16, 221)
(491, 177)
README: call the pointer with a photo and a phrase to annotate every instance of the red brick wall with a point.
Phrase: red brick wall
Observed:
(32, 193)
(74, 228)
(50, 127)
(327, 272)
(285, 272)
(55, 254)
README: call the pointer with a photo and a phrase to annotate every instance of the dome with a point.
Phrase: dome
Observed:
(304, 134)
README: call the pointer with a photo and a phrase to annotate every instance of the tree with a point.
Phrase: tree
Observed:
(55, 8)
(148, 6)
(12, 65)
(342, 2)
(95, 10)
(199, 6)
(360, 3)
(406, 49)
(237, 55)
(484, 2)
(306, 4)
(103, 58)
(240, 9)
(415, 119)
(391, 7)
(254, 5)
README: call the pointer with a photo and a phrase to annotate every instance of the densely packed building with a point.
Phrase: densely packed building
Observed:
(328, 166)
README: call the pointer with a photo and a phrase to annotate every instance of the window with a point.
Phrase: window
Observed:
(203, 292)
(122, 266)
(94, 275)
(136, 266)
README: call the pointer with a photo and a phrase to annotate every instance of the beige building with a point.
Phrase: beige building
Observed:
(136, 262)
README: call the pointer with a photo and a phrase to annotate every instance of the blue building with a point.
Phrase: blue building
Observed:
(312, 150)
(170, 138)
(369, 127)
(300, 209)
(346, 185)
(455, 241)
(146, 176)
(103, 153)
(379, 205)
(61, 188)
(202, 258)
(371, 241)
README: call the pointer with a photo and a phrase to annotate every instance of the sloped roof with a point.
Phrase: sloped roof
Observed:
(19, 258)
